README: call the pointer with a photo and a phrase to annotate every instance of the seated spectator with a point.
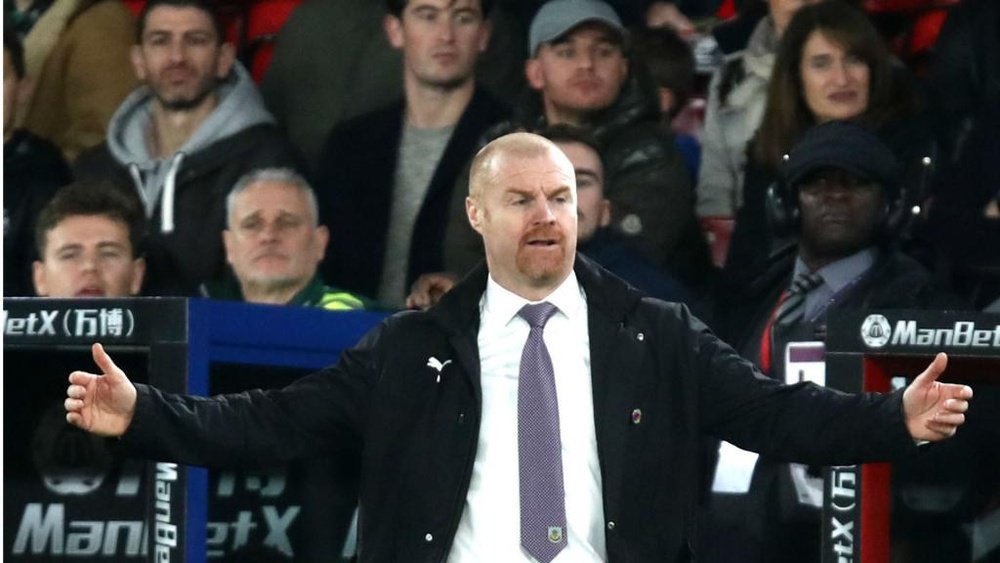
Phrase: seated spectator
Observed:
(838, 202)
(359, 71)
(183, 139)
(595, 239)
(579, 74)
(386, 178)
(33, 169)
(964, 221)
(831, 64)
(89, 242)
(964, 76)
(964, 82)
(275, 243)
(76, 67)
(671, 65)
(737, 95)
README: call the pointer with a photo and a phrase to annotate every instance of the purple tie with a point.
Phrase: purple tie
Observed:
(543, 500)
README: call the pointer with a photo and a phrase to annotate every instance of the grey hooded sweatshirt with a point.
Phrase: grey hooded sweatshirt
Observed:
(184, 194)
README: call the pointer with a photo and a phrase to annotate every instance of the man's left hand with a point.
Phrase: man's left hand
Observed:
(935, 410)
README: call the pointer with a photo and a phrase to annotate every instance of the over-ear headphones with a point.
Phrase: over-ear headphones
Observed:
(782, 210)
(851, 147)
(785, 217)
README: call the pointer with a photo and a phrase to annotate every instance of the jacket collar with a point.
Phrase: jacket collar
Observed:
(458, 310)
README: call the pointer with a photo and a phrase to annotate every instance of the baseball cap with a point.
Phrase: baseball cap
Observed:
(557, 17)
(847, 146)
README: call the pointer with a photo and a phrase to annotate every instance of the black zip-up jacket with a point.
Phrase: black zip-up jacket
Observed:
(418, 433)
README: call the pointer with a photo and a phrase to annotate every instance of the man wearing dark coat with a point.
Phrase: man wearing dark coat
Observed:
(385, 178)
(461, 463)
(840, 203)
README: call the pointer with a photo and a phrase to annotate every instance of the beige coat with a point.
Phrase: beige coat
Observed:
(78, 71)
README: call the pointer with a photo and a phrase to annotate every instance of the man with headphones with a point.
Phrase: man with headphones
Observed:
(840, 206)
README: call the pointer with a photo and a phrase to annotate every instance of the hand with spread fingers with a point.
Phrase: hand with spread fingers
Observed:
(102, 404)
(935, 410)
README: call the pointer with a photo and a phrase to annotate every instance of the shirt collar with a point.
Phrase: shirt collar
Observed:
(500, 305)
(836, 275)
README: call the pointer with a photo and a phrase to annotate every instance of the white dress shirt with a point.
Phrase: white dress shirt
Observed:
(490, 526)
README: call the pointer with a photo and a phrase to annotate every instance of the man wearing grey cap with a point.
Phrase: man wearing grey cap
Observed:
(579, 74)
(840, 203)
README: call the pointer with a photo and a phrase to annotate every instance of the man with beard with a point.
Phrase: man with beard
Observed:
(841, 198)
(597, 241)
(542, 410)
(581, 72)
(274, 244)
(183, 139)
(386, 178)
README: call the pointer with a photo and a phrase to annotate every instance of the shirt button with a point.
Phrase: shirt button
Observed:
(429, 538)
(636, 416)
(640, 337)
(611, 524)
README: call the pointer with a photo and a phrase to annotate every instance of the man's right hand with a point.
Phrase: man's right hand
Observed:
(102, 404)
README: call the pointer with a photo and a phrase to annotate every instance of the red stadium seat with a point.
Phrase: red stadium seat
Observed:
(135, 6)
(264, 20)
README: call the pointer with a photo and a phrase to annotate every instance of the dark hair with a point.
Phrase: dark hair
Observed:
(786, 115)
(396, 7)
(670, 62)
(91, 198)
(12, 45)
(202, 5)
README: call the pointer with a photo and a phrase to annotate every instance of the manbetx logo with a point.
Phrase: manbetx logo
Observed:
(84, 322)
(877, 331)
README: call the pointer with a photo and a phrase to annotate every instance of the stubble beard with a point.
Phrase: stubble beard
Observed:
(186, 104)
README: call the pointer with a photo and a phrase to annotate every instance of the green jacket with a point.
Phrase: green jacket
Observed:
(315, 294)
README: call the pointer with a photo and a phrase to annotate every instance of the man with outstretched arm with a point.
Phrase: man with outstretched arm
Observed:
(542, 410)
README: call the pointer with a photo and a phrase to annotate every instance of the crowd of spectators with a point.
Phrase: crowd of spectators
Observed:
(140, 158)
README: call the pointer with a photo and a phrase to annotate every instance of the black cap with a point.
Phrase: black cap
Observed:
(847, 146)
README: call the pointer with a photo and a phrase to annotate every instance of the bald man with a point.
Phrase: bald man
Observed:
(542, 410)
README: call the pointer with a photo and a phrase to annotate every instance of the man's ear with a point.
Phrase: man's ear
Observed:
(139, 274)
(533, 73)
(475, 214)
(227, 243)
(485, 32)
(322, 239)
(666, 96)
(605, 215)
(394, 31)
(38, 277)
(138, 64)
(227, 56)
